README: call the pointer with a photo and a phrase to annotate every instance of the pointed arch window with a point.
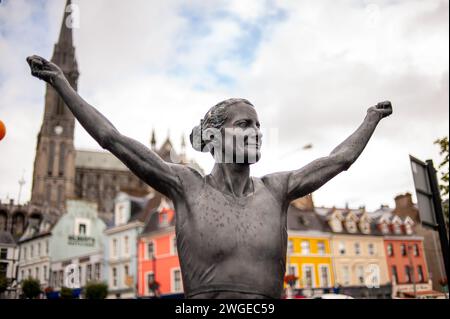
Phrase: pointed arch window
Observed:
(62, 151)
(51, 156)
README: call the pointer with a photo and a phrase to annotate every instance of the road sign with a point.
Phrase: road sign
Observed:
(424, 192)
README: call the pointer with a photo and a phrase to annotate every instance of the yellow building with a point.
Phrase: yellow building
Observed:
(308, 250)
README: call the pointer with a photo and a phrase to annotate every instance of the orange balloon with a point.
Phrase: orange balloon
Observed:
(2, 130)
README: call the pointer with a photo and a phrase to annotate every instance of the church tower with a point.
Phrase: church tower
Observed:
(54, 164)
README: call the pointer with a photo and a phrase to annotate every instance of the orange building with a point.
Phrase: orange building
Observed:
(157, 255)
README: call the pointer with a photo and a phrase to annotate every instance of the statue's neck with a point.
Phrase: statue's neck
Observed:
(233, 179)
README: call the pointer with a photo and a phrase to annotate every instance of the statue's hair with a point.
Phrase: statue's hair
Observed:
(214, 118)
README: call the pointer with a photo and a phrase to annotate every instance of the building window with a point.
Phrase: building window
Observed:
(408, 275)
(324, 276)
(346, 275)
(45, 274)
(357, 249)
(150, 281)
(97, 271)
(88, 272)
(82, 229)
(150, 250)
(397, 228)
(4, 253)
(420, 276)
(114, 247)
(416, 250)
(62, 151)
(403, 249)
(46, 247)
(3, 270)
(61, 278)
(341, 248)
(51, 157)
(321, 247)
(25, 256)
(126, 270)
(32, 251)
(22, 275)
(126, 245)
(290, 246)
(390, 250)
(360, 274)
(174, 245)
(308, 276)
(394, 274)
(371, 249)
(177, 285)
(306, 247)
(39, 249)
(114, 277)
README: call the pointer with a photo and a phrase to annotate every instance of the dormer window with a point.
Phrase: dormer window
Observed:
(336, 225)
(364, 225)
(384, 228)
(164, 219)
(351, 226)
(397, 228)
(408, 229)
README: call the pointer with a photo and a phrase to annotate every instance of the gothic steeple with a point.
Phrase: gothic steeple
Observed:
(54, 163)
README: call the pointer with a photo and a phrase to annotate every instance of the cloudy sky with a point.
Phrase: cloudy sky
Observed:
(311, 68)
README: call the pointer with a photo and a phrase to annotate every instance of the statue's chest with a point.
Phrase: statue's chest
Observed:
(221, 225)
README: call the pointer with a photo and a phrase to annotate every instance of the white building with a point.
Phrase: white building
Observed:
(9, 257)
(34, 251)
(130, 215)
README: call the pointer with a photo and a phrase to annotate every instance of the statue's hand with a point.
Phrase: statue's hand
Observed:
(382, 109)
(43, 69)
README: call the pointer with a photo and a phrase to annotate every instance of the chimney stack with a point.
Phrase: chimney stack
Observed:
(403, 201)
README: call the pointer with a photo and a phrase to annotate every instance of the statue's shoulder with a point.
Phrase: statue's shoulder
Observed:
(276, 183)
(188, 175)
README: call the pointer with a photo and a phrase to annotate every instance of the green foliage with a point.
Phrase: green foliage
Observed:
(443, 166)
(3, 284)
(66, 293)
(31, 288)
(95, 290)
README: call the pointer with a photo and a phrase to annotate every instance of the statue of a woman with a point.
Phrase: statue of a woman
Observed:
(230, 227)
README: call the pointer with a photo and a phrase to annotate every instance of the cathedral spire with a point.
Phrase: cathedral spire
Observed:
(65, 34)
(153, 140)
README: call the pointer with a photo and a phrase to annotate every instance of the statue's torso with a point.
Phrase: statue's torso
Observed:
(231, 244)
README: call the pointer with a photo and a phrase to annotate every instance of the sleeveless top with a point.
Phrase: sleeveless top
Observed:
(231, 244)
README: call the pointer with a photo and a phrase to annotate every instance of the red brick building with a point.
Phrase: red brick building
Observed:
(157, 255)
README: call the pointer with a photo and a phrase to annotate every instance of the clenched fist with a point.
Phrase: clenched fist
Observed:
(44, 70)
(382, 109)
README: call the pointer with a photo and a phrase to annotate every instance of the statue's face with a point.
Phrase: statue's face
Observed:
(241, 135)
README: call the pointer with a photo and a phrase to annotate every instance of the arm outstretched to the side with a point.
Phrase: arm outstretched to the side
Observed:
(311, 177)
(146, 164)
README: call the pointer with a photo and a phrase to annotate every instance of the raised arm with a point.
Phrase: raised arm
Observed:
(312, 176)
(143, 162)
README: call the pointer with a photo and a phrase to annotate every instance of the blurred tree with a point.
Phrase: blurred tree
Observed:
(443, 166)
(31, 288)
(3, 285)
(66, 293)
(95, 290)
